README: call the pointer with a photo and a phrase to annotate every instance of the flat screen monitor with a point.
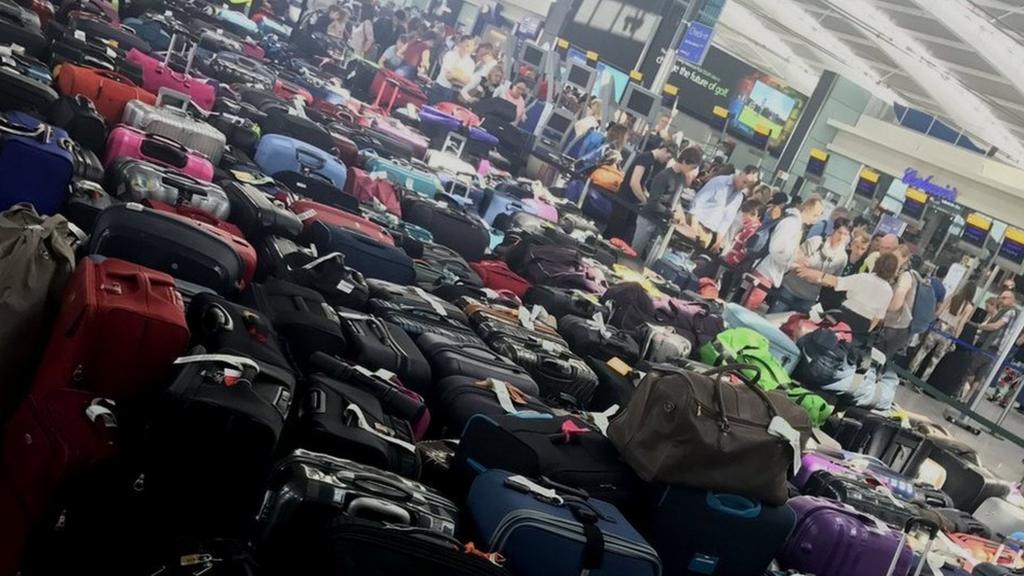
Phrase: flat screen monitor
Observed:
(579, 76)
(607, 74)
(558, 123)
(639, 102)
(766, 108)
(1012, 248)
(533, 55)
(914, 204)
(976, 230)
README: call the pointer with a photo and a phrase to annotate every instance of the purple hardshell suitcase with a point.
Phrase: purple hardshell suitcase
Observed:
(901, 486)
(833, 539)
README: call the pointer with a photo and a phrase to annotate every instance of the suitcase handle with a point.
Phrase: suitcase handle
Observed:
(111, 75)
(314, 162)
(165, 144)
(733, 505)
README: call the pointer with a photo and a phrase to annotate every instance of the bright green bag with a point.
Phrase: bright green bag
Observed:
(817, 408)
(745, 346)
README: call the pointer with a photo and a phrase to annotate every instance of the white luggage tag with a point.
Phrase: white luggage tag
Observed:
(782, 429)
(320, 260)
(431, 300)
(598, 322)
(500, 388)
(362, 424)
(602, 419)
(237, 365)
(527, 486)
(528, 317)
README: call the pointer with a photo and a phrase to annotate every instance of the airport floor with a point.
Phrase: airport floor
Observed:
(1003, 457)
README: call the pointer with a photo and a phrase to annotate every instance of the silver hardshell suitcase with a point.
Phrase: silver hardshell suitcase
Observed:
(138, 180)
(170, 119)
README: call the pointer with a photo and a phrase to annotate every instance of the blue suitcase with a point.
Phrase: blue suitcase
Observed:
(238, 23)
(780, 345)
(675, 274)
(36, 164)
(268, 27)
(497, 207)
(545, 531)
(405, 175)
(277, 153)
(371, 258)
(597, 205)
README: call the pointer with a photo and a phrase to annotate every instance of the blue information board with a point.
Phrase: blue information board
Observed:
(695, 43)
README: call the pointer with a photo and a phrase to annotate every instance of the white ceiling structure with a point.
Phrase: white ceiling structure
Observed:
(960, 60)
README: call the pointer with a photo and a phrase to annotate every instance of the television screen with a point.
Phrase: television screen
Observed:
(606, 74)
(1012, 248)
(533, 55)
(579, 75)
(766, 107)
(640, 103)
(558, 123)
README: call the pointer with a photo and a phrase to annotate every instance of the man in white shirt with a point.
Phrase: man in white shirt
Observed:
(785, 240)
(716, 205)
(457, 65)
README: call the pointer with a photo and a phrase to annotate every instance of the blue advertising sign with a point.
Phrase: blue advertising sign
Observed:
(695, 43)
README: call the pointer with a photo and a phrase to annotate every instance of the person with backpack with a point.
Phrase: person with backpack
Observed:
(911, 309)
(785, 234)
(827, 254)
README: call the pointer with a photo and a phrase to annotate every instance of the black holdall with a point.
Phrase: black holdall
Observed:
(561, 302)
(79, 117)
(327, 274)
(592, 337)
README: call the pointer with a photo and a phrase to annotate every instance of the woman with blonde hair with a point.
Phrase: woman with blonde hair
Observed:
(953, 315)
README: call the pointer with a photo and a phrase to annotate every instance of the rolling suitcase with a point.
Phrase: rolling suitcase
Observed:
(35, 163)
(318, 189)
(459, 398)
(278, 121)
(543, 529)
(20, 89)
(277, 153)
(587, 337)
(240, 133)
(450, 226)
(393, 91)
(257, 215)
(310, 212)
(83, 123)
(21, 26)
(378, 345)
(342, 420)
(373, 259)
(861, 495)
(405, 175)
(419, 321)
(233, 68)
(219, 324)
(169, 244)
(967, 484)
(397, 141)
(561, 302)
(368, 188)
(954, 520)
(696, 531)
(98, 27)
(616, 383)
(452, 357)
(327, 274)
(120, 328)
(169, 118)
(437, 264)
(415, 297)
(563, 378)
(495, 274)
(157, 76)
(137, 180)
(237, 23)
(128, 142)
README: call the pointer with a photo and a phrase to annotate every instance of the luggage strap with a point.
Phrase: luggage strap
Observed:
(362, 424)
(507, 394)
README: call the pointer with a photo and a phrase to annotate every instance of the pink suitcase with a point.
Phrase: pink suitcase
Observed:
(542, 209)
(158, 74)
(398, 131)
(128, 142)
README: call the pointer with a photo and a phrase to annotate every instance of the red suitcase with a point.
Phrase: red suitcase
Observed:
(109, 91)
(120, 328)
(361, 185)
(496, 275)
(51, 437)
(242, 247)
(392, 90)
(309, 212)
(289, 90)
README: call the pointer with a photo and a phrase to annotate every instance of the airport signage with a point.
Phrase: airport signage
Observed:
(695, 43)
(911, 177)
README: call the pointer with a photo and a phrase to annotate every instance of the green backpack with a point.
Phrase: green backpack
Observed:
(745, 346)
(817, 408)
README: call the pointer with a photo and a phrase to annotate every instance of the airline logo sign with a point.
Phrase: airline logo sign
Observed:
(911, 177)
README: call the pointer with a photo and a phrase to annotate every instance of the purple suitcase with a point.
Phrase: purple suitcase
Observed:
(832, 539)
(843, 463)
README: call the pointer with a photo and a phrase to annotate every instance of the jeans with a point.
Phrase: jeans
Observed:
(646, 230)
(786, 301)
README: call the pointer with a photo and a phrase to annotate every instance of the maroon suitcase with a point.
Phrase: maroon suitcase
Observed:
(53, 436)
(120, 328)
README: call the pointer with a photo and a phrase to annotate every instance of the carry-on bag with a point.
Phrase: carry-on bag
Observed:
(169, 118)
(747, 346)
(564, 379)
(698, 412)
(22, 89)
(781, 345)
(169, 244)
(373, 259)
(404, 175)
(415, 297)
(496, 275)
(120, 328)
(419, 321)
(561, 302)
(327, 274)
(36, 164)
(310, 212)
(591, 337)
(449, 357)
(21, 26)
(379, 345)
(216, 323)
(277, 153)
(451, 226)
(128, 142)
(555, 530)
(459, 398)
(257, 215)
(83, 123)
(157, 75)
(137, 180)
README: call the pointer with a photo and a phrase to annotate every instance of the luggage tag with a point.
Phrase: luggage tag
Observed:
(431, 300)
(619, 366)
(361, 423)
(782, 429)
(528, 318)
(378, 175)
(500, 388)
(303, 216)
(233, 375)
(602, 419)
(527, 486)
(598, 322)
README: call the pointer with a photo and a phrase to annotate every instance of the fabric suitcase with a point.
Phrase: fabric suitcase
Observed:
(94, 26)
(278, 153)
(278, 121)
(830, 538)
(257, 214)
(362, 253)
(459, 398)
(288, 90)
(157, 75)
(451, 226)
(240, 133)
(394, 91)
(449, 357)
(415, 297)
(128, 142)
(21, 90)
(440, 265)
(300, 316)
(418, 321)
(662, 344)
(696, 531)
(376, 344)
(563, 378)
(233, 68)
(497, 208)
(310, 212)
(562, 449)
(318, 189)
(237, 23)
(954, 520)
(137, 180)
(367, 189)
(120, 328)
(451, 164)
(35, 164)
(211, 441)
(327, 274)
(616, 384)
(781, 346)
(168, 244)
(1004, 517)
(405, 176)
(344, 421)
(496, 275)
(397, 140)
(21, 26)
(308, 491)
(176, 124)
(85, 202)
(216, 324)
(83, 123)
(573, 535)
(561, 302)
(589, 338)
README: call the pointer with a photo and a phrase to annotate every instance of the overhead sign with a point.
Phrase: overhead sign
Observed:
(867, 183)
(817, 162)
(911, 177)
(914, 204)
(1012, 248)
(976, 230)
(695, 43)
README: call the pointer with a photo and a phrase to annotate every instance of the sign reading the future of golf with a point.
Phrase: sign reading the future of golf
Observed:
(757, 102)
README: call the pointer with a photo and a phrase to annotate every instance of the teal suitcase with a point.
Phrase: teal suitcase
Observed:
(405, 175)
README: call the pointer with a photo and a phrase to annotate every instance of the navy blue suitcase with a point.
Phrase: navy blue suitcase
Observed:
(546, 530)
(36, 164)
(277, 153)
(702, 532)
(684, 279)
(371, 258)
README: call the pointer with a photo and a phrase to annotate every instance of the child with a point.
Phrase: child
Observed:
(736, 254)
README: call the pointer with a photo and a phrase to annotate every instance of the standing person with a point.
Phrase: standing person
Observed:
(456, 68)
(827, 255)
(991, 334)
(953, 315)
(388, 30)
(417, 56)
(734, 257)
(776, 207)
(714, 208)
(516, 94)
(633, 192)
(785, 240)
(855, 254)
(663, 188)
(485, 87)
(867, 295)
(937, 286)
(661, 133)
(485, 61)
(393, 56)
(591, 119)
(361, 39)
(895, 334)
(885, 245)
(823, 227)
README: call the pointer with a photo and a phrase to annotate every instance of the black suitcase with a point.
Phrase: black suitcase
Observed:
(168, 244)
(563, 378)
(79, 117)
(462, 397)
(21, 26)
(453, 358)
(959, 521)
(257, 215)
(345, 421)
(386, 145)
(211, 441)
(561, 302)
(415, 297)
(216, 323)
(451, 226)
(438, 265)
(418, 321)
(588, 338)
(966, 484)
(233, 68)
(85, 202)
(308, 491)
(240, 133)
(93, 26)
(318, 189)
(457, 291)
(280, 122)
(378, 345)
(20, 91)
(861, 495)
(337, 283)
(613, 387)
(371, 258)
(563, 449)
(305, 322)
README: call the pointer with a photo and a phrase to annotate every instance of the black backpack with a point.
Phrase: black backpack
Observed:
(760, 242)
(822, 357)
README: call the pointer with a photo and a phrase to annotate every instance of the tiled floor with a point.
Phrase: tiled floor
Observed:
(1003, 457)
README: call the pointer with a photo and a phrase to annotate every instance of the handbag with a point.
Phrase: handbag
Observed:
(608, 177)
(696, 430)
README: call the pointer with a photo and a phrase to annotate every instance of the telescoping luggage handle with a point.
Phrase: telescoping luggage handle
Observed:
(184, 76)
(912, 523)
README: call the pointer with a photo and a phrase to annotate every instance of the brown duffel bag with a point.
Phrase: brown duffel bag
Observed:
(701, 431)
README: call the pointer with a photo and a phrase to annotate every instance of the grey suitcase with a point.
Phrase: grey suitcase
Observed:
(135, 180)
(169, 118)
(1001, 515)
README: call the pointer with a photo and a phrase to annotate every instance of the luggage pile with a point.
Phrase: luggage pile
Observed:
(255, 321)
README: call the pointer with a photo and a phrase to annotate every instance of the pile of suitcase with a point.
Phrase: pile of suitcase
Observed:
(268, 312)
